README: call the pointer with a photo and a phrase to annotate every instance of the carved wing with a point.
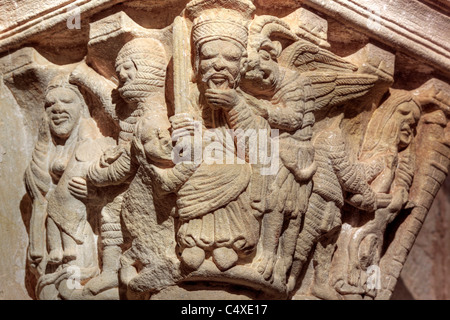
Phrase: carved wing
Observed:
(333, 79)
(331, 89)
(304, 56)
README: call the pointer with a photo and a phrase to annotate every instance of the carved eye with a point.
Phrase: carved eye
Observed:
(206, 54)
(128, 65)
(264, 54)
(232, 57)
(48, 104)
(404, 110)
(67, 100)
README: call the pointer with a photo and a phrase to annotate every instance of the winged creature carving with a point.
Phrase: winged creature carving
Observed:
(293, 78)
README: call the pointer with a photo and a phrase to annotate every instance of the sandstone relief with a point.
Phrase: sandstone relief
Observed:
(232, 149)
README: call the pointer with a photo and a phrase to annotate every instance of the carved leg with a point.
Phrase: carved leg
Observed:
(273, 223)
(70, 247)
(54, 241)
(308, 237)
(37, 237)
(323, 256)
(109, 278)
(288, 244)
(111, 239)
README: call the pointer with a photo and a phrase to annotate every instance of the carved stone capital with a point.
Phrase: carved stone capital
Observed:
(222, 148)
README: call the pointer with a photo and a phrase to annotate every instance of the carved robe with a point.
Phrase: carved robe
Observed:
(214, 205)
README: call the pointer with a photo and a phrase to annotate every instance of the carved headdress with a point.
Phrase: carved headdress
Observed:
(149, 58)
(220, 20)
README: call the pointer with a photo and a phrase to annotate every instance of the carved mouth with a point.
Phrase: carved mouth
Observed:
(254, 75)
(218, 81)
(406, 130)
(60, 119)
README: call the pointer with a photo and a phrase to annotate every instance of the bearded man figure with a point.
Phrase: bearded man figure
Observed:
(216, 218)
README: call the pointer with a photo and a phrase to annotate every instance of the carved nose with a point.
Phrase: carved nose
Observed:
(253, 63)
(123, 75)
(58, 108)
(219, 64)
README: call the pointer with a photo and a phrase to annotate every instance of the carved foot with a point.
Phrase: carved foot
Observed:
(35, 256)
(193, 257)
(281, 268)
(345, 289)
(353, 276)
(225, 258)
(265, 267)
(325, 292)
(55, 256)
(291, 284)
(105, 281)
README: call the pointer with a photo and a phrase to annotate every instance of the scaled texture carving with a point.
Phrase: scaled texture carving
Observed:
(224, 149)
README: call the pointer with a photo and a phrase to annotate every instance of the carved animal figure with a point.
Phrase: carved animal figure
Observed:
(289, 94)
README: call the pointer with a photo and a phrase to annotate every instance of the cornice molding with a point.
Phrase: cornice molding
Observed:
(422, 35)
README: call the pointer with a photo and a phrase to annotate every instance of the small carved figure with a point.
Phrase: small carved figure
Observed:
(144, 150)
(64, 151)
(284, 97)
(336, 176)
(290, 94)
(388, 144)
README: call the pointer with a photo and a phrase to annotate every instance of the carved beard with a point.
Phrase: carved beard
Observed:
(220, 80)
(136, 90)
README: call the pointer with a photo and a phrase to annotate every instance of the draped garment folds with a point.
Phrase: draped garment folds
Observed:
(214, 206)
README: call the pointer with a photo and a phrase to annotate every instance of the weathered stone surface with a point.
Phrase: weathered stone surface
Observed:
(425, 274)
(228, 149)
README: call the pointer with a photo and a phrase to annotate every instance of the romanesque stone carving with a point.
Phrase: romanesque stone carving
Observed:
(64, 206)
(228, 148)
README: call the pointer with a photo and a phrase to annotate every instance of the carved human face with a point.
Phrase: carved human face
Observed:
(263, 72)
(63, 108)
(407, 115)
(126, 72)
(158, 146)
(220, 64)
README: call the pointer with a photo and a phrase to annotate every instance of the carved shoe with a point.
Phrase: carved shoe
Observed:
(193, 257)
(224, 258)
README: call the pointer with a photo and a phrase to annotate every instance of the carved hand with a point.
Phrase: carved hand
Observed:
(220, 98)
(79, 189)
(262, 110)
(183, 126)
(110, 155)
(182, 121)
(383, 200)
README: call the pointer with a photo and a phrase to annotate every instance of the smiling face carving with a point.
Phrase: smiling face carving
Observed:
(63, 108)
